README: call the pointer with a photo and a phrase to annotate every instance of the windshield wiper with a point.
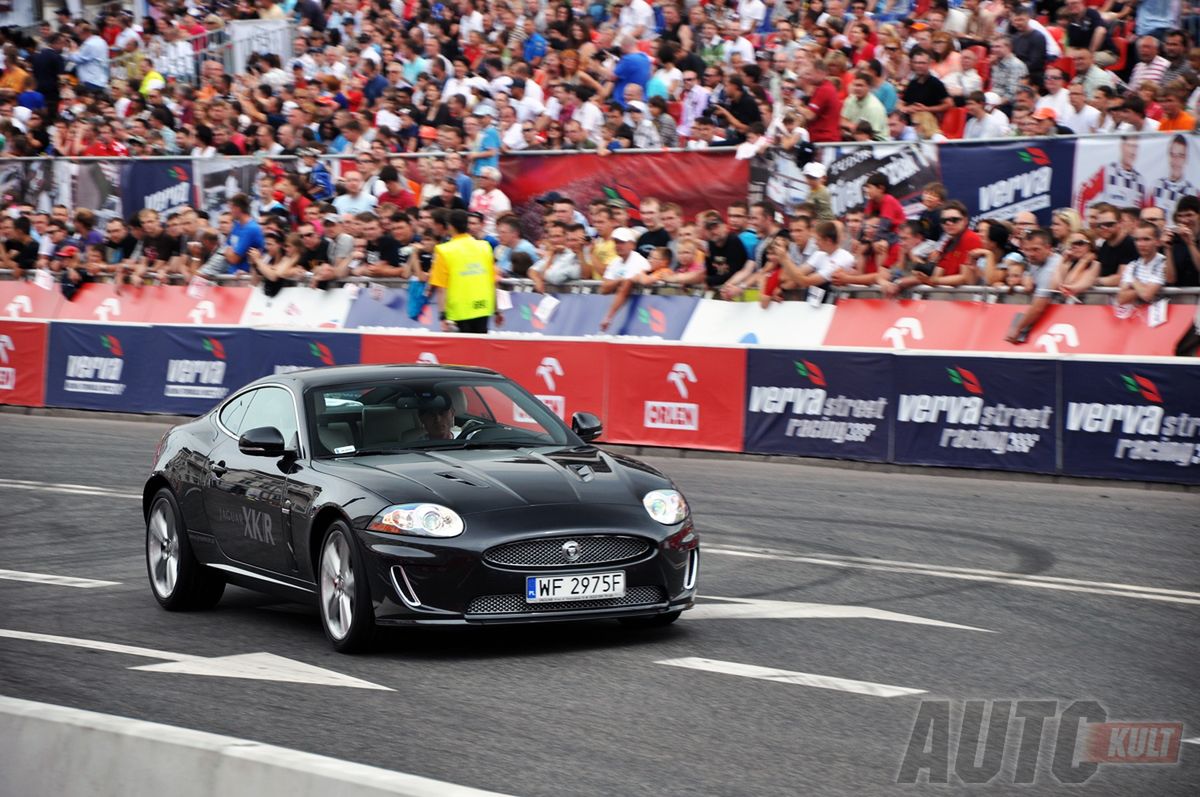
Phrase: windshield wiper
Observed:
(468, 444)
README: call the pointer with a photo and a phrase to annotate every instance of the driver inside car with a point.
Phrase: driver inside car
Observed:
(436, 413)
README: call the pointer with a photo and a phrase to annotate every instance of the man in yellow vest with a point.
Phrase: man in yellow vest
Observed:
(462, 280)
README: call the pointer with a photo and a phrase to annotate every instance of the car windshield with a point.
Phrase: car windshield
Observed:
(424, 415)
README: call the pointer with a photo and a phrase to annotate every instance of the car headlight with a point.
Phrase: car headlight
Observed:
(420, 520)
(666, 506)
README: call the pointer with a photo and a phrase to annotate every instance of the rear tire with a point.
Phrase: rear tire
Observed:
(347, 613)
(177, 579)
(656, 621)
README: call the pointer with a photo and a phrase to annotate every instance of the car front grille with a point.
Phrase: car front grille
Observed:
(515, 604)
(591, 550)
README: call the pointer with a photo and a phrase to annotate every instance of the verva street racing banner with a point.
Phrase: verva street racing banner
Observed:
(998, 181)
(195, 368)
(23, 363)
(819, 403)
(103, 367)
(1124, 420)
(975, 412)
(284, 352)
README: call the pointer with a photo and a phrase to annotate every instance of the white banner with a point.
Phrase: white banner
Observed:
(792, 324)
(1137, 171)
(299, 307)
(248, 37)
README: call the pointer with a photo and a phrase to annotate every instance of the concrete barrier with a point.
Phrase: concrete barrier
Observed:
(50, 749)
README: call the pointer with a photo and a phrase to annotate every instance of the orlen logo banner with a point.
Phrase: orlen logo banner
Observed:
(1001, 180)
(20, 299)
(102, 367)
(971, 412)
(902, 325)
(100, 302)
(1125, 420)
(195, 368)
(23, 363)
(683, 396)
(819, 403)
(284, 352)
(566, 377)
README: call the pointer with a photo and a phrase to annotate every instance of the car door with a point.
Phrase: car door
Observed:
(245, 495)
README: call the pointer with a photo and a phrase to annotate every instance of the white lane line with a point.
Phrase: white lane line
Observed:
(789, 677)
(95, 644)
(67, 489)
(970, 574)
(756, 609)
(59, 581)
(1193, 740)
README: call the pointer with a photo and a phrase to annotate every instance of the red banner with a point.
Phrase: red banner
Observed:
(157, 304)
(696, 180)
(682, 396)
(26, 300)
(23, 363)
(976, 326)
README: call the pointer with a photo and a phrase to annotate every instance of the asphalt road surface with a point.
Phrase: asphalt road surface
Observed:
(859, 595)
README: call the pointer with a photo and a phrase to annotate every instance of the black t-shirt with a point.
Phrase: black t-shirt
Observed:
(930, 91)
(315, 256)
(744, 109)
(651, 240)
(164, 247)
(25, 254)
(724, 260)
(440, 202)
(1187, 271)
(931, 223)
(384, 249)
(124, 247)
(1079, 34)
(1113, 258)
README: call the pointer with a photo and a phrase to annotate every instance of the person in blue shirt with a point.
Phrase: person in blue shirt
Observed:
(633, 67)
(535, 49)
(318, 175)
(483, 140)
(508, 235)
(375, 83)
(245, 235)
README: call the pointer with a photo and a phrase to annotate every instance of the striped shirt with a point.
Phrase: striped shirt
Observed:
(1152, 272)
(1152, 72)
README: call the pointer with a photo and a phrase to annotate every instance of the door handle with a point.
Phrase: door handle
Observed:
(219, 468)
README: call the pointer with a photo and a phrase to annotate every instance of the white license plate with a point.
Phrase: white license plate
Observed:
(590, 587)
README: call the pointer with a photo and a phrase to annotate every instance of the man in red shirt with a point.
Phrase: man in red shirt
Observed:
(824, 109)
(105, 144)
(882, 204)
(397, 192)
(954, 265)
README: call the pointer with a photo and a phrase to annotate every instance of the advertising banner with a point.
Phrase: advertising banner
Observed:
(696, 180)
(387, 308)
(281, 352)
(1136, 171)
(791, 324)
(905, 324)
(908, 167)
(219, 180)
(675, 396)
(258, 36)
(819, 403)
(976, 412)
(194, 368)
(103, 367)
(1124, 420)
(299, 307)
(27, 300)
(177, 304)
(23, 363)
(997, 181)
(165, 186)
(101, 301)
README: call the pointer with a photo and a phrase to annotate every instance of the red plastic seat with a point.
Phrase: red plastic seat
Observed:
(1122, 46)
(954, 122)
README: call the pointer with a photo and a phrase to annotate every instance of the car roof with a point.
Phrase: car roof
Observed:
(343, 374)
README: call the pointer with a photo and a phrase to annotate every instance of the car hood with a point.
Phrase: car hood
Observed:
(486, 480)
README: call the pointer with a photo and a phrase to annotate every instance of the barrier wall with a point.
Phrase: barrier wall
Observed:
(908, 324)
(1119, 418)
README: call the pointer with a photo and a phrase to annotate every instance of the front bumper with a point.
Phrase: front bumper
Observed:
(422, 581)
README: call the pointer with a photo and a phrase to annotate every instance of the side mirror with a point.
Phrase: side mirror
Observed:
(265, 441)
(587, 426)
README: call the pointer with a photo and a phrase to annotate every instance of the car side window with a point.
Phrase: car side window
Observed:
(272, 406)
(232, 413)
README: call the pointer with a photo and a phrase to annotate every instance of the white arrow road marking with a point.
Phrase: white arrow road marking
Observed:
(60, 581)
(253, 666)
(790, 677)
(754, 609)
(69, 489)
(967, 574)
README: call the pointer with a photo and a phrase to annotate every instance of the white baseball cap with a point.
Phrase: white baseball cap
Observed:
(625, 234)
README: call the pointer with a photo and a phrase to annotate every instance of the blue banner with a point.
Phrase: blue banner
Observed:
(1000, 180)
(165, 186)
(194, 368)
(976, 412)
(1124, 420)
(101, 367)
(819, 403)
(387, 308)
(281, 352)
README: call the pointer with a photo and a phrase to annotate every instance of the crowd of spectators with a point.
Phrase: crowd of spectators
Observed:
(377, 82)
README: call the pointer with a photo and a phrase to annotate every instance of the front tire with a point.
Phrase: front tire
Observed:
(347, 614)
(177, 579)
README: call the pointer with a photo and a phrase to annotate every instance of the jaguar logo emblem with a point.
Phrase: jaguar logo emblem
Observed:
(570, 550)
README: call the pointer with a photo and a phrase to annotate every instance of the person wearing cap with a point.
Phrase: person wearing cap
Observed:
(71, 274)
(726, 252)
(645, 133)
(1044, 122)
(462, 280)
(621, 271)
(981, 120)
(488, 200)
(818, 193)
